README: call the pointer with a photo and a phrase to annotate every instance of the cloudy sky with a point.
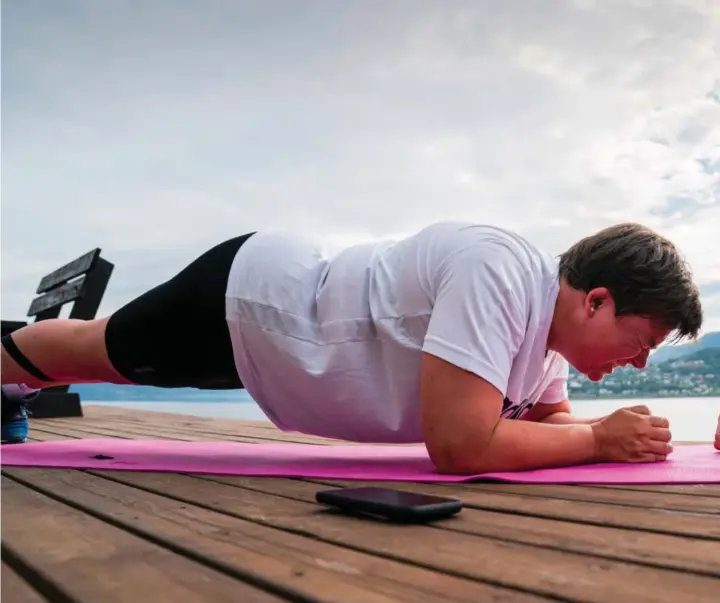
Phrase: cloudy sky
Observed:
(155, 129)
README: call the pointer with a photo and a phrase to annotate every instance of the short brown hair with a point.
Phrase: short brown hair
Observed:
(644, 272)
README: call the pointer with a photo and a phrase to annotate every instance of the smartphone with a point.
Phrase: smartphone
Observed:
(390, 504)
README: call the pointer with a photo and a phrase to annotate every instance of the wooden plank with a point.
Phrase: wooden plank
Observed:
(81, 429)
(89, 561)
(220, 425)
(69, 271)
(457, 548)
(231, 428)
(613, 496)
(36, 435)
(13, 589)
(127, 414)
(203, 424)
(652, 520)
(57, 297)
(181, 433)
(87, 431)
(691, 489)
(309, 568)
(677, 552)
(545, 571)
(94, 429)
(129, 429)
(248, 433)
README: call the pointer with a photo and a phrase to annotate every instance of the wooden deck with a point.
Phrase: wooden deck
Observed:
(105, 537)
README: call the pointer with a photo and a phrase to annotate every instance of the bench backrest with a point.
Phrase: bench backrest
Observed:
(82, 281)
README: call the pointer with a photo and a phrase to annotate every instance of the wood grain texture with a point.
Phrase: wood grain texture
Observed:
(89, 560)
(14, 589)
(512, 542)
(308, 569)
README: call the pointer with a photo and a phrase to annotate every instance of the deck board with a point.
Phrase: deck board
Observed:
(16, 589)
(614, 496)
(95, 561)
(265, 539)
(529, 504)
(682, 553)
(629, 544)
(243, 541)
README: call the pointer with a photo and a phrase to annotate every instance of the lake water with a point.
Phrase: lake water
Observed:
(691, 419)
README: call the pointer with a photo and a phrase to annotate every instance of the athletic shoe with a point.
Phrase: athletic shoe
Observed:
(15, 412)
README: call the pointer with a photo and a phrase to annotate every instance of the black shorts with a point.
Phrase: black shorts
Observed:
(176, 335)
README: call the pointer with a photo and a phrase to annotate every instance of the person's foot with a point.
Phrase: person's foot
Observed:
(15, 413)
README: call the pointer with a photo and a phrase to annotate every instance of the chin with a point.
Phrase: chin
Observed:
(591, 373)
(595, 375)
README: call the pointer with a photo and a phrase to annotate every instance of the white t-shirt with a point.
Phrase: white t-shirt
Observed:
(332, 346)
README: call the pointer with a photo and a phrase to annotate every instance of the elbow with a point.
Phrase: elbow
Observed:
(459, 460)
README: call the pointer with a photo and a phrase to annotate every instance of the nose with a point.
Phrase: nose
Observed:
(640, 361)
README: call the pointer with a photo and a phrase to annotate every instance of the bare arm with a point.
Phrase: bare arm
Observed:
(464, 433)
(556, 414)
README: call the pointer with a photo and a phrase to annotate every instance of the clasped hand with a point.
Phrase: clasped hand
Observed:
(634, 435)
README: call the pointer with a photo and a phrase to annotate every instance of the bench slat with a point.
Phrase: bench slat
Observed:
(68, 271)
(57, 297)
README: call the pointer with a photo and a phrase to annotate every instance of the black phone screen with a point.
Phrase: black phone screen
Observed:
(391, 504)
(387, 496)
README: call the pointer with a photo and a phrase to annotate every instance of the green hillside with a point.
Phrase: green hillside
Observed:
(696, 374)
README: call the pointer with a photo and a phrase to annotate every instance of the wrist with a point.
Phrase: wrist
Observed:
(597, 439)
(582, 441)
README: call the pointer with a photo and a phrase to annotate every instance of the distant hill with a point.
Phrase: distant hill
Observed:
(670, 352)
(687, 376)
(704, 362)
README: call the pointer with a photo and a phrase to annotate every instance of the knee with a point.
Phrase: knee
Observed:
(89, 337)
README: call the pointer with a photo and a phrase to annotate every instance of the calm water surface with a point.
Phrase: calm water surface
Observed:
(691, 419)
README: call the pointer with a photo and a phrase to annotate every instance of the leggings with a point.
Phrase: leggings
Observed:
(176, 334)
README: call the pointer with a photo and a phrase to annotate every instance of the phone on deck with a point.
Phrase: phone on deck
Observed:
(387, 503)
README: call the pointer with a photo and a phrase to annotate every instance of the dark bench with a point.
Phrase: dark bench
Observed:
(82, 282)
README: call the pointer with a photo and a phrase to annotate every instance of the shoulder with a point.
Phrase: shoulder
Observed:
(468, 249)
(483, 240)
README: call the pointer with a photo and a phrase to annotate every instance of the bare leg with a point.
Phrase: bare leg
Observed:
(66, 350)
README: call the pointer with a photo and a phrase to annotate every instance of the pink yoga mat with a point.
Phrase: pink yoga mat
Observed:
(687, 465)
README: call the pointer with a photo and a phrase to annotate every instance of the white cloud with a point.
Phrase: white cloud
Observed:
(155, 130)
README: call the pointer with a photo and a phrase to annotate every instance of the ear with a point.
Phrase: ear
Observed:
(597, 300)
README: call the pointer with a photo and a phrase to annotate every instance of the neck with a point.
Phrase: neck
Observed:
(562, 322)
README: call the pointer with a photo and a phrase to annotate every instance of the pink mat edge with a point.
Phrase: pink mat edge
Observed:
(529, 477)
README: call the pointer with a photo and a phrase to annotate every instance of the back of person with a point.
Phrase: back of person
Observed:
(332, 345)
